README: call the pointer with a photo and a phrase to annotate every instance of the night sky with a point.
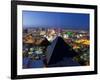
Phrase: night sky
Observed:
(55, 19)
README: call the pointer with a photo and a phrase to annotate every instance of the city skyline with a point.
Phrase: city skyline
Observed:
(55, 20)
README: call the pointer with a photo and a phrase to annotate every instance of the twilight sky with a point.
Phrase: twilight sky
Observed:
(55, 19)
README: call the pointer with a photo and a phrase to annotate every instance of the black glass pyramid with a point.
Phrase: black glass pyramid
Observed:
(59, 51)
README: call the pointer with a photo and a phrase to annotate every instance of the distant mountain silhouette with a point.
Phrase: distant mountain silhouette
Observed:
(60, 53)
